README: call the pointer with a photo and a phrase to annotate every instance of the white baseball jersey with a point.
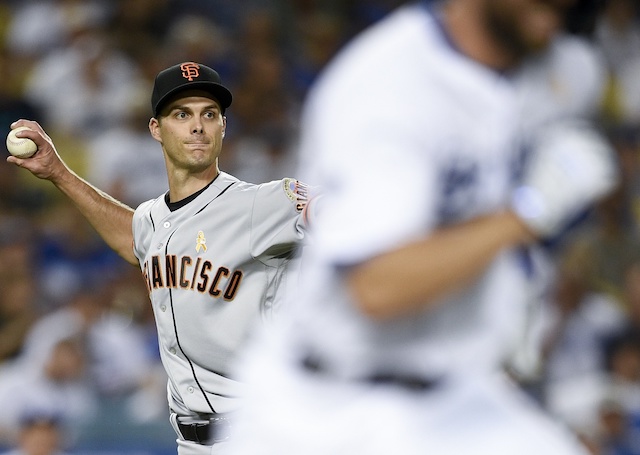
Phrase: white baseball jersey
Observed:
(405, 135)
(566, 81)
(428, 138)
(213, 267)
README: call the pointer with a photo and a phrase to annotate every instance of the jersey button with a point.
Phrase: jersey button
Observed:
(167, 224)
(163, 307)
(172, 350)
(190, 389)
(159, 246)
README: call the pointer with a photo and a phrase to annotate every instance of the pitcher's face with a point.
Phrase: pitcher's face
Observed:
(191, 131)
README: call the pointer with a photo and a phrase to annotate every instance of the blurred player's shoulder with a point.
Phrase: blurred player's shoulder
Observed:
(571, 76)
(585, 68)
(374, 51)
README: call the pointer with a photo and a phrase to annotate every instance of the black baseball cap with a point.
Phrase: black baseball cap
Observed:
(188, 76)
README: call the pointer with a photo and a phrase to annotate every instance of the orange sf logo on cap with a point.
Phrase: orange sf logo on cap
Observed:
(190, 70)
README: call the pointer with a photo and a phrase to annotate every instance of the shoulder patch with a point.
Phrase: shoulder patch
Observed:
(297, 192)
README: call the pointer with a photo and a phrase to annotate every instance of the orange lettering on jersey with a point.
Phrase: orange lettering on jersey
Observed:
(156, 273)
(145, 276)
(190, 70)
(195, 272)
(170, 272)
(184, 264)
(232, 286)
(185, 273)
(206, 266)
(213, 290)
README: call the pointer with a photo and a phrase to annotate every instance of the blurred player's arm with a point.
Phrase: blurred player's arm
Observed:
(404, 280)
(570, 166)
(109, 217)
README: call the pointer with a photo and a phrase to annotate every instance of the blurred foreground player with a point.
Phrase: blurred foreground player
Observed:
(415, 289)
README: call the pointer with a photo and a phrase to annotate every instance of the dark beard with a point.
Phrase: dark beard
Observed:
(507, 35)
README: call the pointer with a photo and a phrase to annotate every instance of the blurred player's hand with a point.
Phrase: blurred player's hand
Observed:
(570, 167)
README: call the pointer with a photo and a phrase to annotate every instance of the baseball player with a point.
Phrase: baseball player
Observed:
(414, 291)
(213, 250)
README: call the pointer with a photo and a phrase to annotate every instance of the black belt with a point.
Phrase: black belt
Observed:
(405, 381)
(205, 432)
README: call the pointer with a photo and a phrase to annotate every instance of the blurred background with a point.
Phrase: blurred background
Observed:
(79, 365)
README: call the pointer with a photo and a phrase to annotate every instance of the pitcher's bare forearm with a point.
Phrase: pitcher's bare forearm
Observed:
(109, 217)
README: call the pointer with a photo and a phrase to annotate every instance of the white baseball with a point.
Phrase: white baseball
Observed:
(20, 146)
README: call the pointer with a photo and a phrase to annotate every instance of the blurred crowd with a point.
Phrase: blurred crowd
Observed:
(76, 327)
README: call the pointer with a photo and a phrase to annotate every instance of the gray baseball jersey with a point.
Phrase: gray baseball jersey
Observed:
(213, 267)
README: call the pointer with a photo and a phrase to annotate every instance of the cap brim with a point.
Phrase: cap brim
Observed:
(218, 91)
